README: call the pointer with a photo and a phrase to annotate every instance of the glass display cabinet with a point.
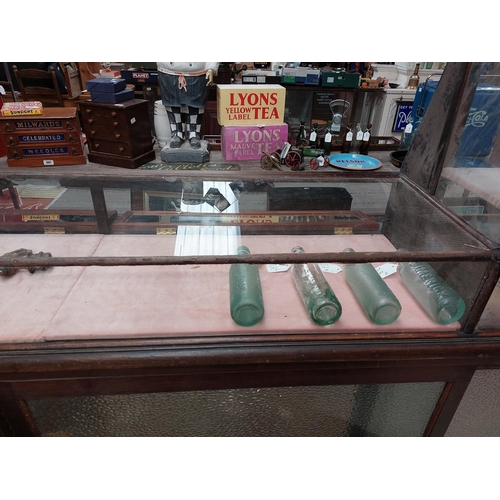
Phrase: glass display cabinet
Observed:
(376, 327)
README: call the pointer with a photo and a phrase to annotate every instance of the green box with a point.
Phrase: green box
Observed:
(340, 79)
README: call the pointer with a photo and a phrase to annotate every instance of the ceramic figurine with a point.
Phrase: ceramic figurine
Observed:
(184, 93)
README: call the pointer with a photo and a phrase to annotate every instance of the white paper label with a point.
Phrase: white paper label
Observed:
(348, 136)
(359, 136)
(386, 269)
(330, 268)
(366, 136)
(132, 120)
(408, 128)
(328, 137)
(278, 268)
(48, 162)
(312, 137)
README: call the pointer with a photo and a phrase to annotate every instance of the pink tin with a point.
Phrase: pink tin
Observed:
(248, 142)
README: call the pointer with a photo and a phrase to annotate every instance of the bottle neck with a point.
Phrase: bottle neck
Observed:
(242, 250)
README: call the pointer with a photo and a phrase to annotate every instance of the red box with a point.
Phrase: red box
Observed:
(248, 142)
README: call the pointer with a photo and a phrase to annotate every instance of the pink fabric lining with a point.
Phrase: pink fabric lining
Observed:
(174, 301)
(29, 302)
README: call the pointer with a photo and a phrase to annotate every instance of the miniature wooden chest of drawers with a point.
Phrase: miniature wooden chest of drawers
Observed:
(118, 134)
(53, 138)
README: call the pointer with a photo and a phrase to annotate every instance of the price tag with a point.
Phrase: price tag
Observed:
(328, 137)
(408, 128)
(386, 269)
(359, 136)
(330, 268)
(312, 137)
(366, 136)
(348, 136)
(278, 268)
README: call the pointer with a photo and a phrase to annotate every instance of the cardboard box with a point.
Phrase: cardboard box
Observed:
(108, 85)
(249, 142)
(260, 77)
(253, 79)
(124, 95)
(301, 76)
(250, 104)
(340, 79)
(22, 108)
(140, 76)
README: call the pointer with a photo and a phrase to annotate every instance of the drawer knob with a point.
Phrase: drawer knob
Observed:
(88, 110)
(90, 120)
(117, 136)
(121, 150)
(113, 113)
(69, 126)
(115, 124)
(97, 145)
(92, 132)
(12, 142)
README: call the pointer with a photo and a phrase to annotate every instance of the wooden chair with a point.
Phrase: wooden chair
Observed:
(39, 85)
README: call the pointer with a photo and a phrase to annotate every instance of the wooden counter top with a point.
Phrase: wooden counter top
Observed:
(92, 173)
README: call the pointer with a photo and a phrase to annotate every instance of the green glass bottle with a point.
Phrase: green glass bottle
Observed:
(407, 135)
(439, 300)
(321, 303)
(327, 141)
(376, 298)
(313, 136)
(347, 139)
(245, 290)
(364, 147)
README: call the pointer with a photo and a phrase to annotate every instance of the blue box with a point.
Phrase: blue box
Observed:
(109, 85)
(107, 97)
(301, 76)
(482, 123)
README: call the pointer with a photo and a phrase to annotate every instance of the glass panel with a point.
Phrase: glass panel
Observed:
(275, 197)
(269, 218)
(384, 410)
(478, 414)
(469, 186)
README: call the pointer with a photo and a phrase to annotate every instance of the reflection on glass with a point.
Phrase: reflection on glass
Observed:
(208, 239)
(469, 185)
